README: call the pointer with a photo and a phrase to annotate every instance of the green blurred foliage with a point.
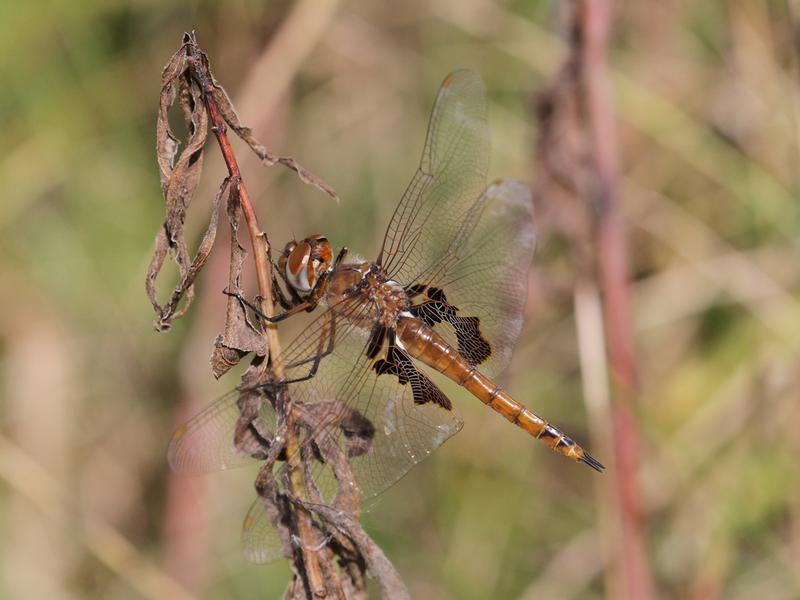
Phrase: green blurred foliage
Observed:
(708, 122)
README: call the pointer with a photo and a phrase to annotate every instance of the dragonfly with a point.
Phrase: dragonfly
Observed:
(445, 294)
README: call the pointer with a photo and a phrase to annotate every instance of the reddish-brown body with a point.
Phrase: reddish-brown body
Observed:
(424, 344)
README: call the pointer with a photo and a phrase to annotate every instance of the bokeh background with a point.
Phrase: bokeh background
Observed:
(708, 111)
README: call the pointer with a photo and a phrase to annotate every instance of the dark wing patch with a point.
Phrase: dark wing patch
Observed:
(436, 309)
(376, 340)
(359, 433)
(415, 290)
(398, 363)
(471, 344)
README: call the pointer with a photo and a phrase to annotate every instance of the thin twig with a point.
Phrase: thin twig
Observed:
(263, 268)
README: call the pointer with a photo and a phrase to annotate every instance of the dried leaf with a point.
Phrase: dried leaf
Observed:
(380, 568)
(166, 142)
(187, 80)
(276, 506)
(179, 180)
(171, 240)
(239, 337)
(224, 358)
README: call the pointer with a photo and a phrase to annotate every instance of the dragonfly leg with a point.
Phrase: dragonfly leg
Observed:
(279, 297)
(322, 352)
(304, 305)
(340, 257)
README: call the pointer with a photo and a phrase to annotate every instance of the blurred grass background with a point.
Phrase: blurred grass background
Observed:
(709, 116)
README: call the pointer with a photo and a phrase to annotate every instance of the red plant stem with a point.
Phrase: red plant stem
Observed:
(632, 562)
(263, 276)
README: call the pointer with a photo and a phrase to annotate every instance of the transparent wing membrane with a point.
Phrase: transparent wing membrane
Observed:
(260, 541)
(452, 234)
(489, 279)
(206, 442)
(437, 210)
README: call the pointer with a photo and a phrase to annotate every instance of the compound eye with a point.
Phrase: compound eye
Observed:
(298, 267)
(323, 250)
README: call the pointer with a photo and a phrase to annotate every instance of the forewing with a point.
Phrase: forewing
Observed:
(345, 383)
(429, 222)
(372, 416)
(487, 283)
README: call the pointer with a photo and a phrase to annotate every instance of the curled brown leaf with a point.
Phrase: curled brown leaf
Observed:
(239, 337)
(179, 180)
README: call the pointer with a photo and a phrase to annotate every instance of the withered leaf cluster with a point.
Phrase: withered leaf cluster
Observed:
(188, 82)
(344, 550)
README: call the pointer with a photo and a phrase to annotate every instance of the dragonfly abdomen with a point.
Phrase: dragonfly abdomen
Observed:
(426, 345)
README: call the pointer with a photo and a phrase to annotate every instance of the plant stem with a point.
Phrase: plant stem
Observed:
(263, 268)
(595, 24)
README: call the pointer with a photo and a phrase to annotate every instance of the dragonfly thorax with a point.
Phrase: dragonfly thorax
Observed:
(390, 299)
(369, 282)
(348, 280)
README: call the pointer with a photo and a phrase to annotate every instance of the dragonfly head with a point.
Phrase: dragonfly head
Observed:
(304, 261)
